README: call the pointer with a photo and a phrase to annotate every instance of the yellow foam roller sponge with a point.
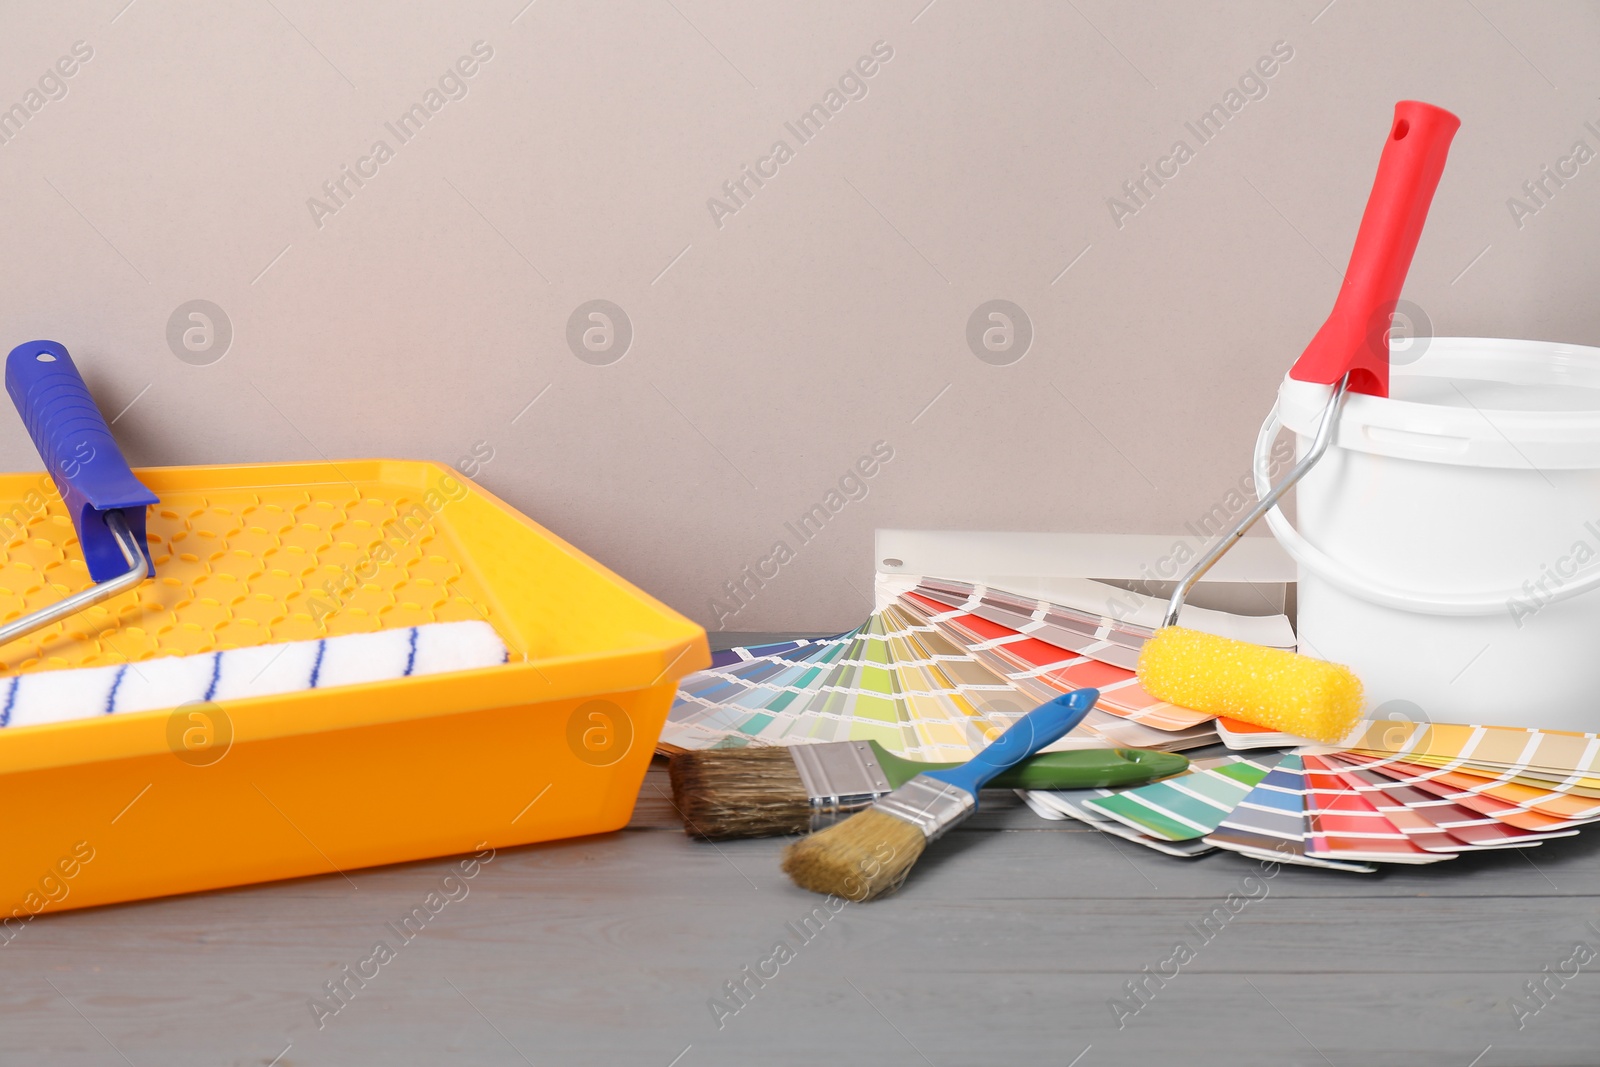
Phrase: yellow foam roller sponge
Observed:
(1267, 686)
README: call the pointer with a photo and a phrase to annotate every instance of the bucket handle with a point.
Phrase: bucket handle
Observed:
(1344, 579)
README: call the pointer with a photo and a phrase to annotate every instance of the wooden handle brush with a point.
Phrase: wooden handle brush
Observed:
(871, 852)
(1270, 687)
(769, 791)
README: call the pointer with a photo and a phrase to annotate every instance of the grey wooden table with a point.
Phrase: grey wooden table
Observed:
(1009, 945)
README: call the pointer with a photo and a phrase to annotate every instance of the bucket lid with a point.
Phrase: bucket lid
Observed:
(1472, 402)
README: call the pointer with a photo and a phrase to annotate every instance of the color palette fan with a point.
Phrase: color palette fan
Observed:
(942, 666)
(933, 674)
(1338, 809)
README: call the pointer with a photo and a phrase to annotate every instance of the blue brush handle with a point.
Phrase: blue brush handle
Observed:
(79, 452)
(1043, 725)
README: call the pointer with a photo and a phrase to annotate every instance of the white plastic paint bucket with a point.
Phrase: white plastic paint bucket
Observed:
(1448, 547)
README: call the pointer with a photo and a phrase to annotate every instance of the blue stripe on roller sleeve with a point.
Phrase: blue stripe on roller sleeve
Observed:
(111, 697)
(216, 675)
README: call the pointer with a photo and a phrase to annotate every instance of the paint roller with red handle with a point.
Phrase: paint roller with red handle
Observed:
(1355, 338)
(1270, 687)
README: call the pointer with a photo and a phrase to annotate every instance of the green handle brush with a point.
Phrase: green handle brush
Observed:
(772, 791)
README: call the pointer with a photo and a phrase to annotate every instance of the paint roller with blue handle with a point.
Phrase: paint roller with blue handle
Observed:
(107, 505)
(105, 501)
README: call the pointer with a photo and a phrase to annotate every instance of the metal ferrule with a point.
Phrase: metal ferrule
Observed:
(929, 804)
(841, 778)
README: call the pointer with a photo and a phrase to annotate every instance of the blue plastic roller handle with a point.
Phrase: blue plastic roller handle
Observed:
(79, 452)
(1044, 725)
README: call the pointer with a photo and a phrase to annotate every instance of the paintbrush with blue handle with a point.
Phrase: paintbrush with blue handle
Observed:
(871, 853)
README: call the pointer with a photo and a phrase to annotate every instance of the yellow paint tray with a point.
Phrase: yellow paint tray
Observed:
(553, 743)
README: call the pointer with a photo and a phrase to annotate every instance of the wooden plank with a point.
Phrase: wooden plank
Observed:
(609, 949)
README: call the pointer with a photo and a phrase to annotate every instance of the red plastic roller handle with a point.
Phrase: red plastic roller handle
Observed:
(1355, 339)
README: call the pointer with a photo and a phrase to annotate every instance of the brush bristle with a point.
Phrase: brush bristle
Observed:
(1266, 686)
(742, 792)
(866, 856)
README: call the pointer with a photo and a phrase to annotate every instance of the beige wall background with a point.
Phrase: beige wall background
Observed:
(775, 341)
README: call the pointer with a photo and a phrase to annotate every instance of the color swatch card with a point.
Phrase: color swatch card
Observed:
(1243, 736)
(1039, 666)
(1345, 825)
(1433, 822)
(1569, 759)
(1519, 805)
(1271, 821)
(1070, 804)
(730, 656)
(1058, 625)
(882, 683)
(1185, 807)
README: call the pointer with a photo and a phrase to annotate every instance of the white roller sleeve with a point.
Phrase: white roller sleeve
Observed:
(53, 696)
